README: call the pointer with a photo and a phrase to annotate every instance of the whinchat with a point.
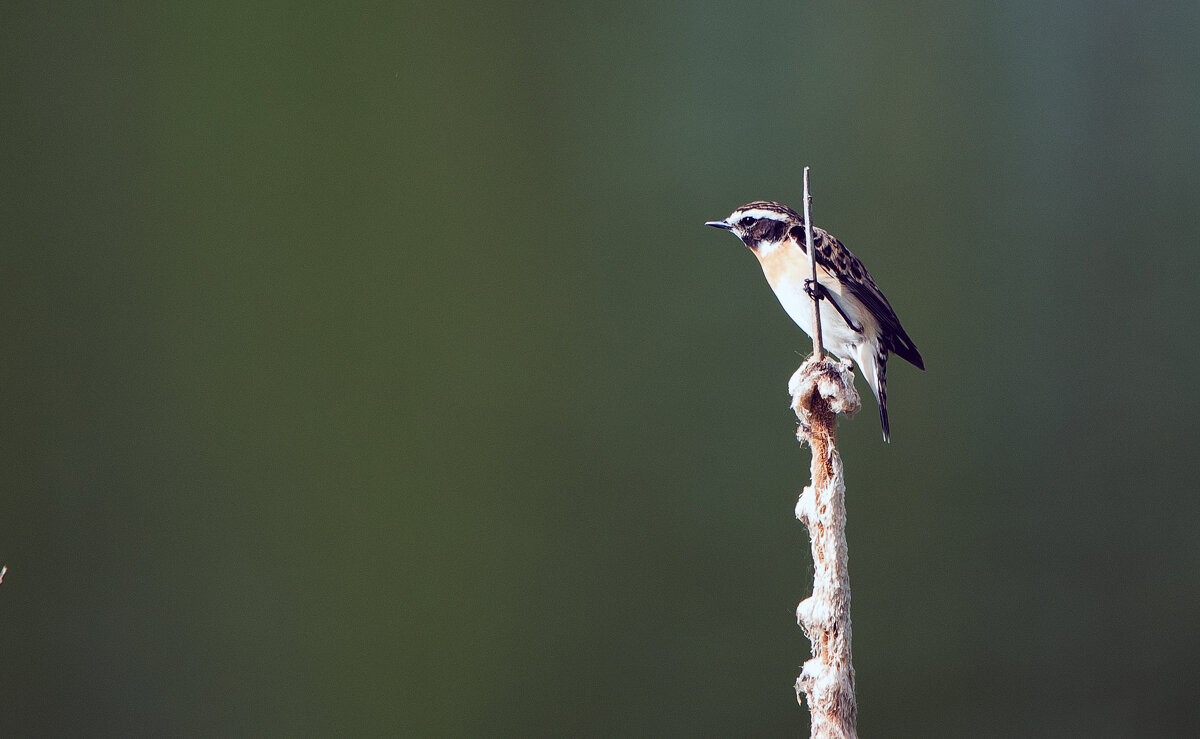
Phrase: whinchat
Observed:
(857, 322)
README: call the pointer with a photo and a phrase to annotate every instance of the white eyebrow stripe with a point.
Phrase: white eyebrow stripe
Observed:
(760, 213)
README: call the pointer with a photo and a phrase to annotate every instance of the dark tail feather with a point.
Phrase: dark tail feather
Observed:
(903, 347)
(881, 362)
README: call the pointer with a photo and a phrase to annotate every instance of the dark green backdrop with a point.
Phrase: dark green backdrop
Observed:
(368, 370)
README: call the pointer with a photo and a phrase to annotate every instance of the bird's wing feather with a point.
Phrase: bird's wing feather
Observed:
(840, 262)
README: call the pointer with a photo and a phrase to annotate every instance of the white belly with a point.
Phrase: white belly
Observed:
(836, 334)
(786, 269)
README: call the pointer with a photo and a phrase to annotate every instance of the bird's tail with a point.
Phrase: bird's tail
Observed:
(873, 366)
(881, 396)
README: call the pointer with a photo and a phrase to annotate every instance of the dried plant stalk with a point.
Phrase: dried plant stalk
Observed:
(821, 389)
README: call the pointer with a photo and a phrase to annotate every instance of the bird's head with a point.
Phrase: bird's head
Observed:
(762, 223)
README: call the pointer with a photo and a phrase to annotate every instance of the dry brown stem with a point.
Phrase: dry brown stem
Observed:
(821, 389)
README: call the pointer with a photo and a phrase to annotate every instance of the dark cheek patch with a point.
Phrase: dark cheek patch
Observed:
(768, 230)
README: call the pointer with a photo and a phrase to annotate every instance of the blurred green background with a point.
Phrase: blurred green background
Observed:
(368, 369)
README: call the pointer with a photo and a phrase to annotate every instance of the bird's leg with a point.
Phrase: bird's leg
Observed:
(815, 290)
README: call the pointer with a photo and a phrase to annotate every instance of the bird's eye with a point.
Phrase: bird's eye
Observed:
(746, 222)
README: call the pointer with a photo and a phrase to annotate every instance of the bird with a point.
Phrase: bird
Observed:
(857, 321)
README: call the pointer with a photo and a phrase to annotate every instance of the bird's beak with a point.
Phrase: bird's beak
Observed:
(719, 224)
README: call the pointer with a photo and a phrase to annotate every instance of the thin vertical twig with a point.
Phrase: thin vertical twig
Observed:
(821, 389)
(818, 346)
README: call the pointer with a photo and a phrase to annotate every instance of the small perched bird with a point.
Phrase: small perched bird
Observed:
(857, 322)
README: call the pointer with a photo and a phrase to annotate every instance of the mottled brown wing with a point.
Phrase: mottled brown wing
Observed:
(841, 262)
